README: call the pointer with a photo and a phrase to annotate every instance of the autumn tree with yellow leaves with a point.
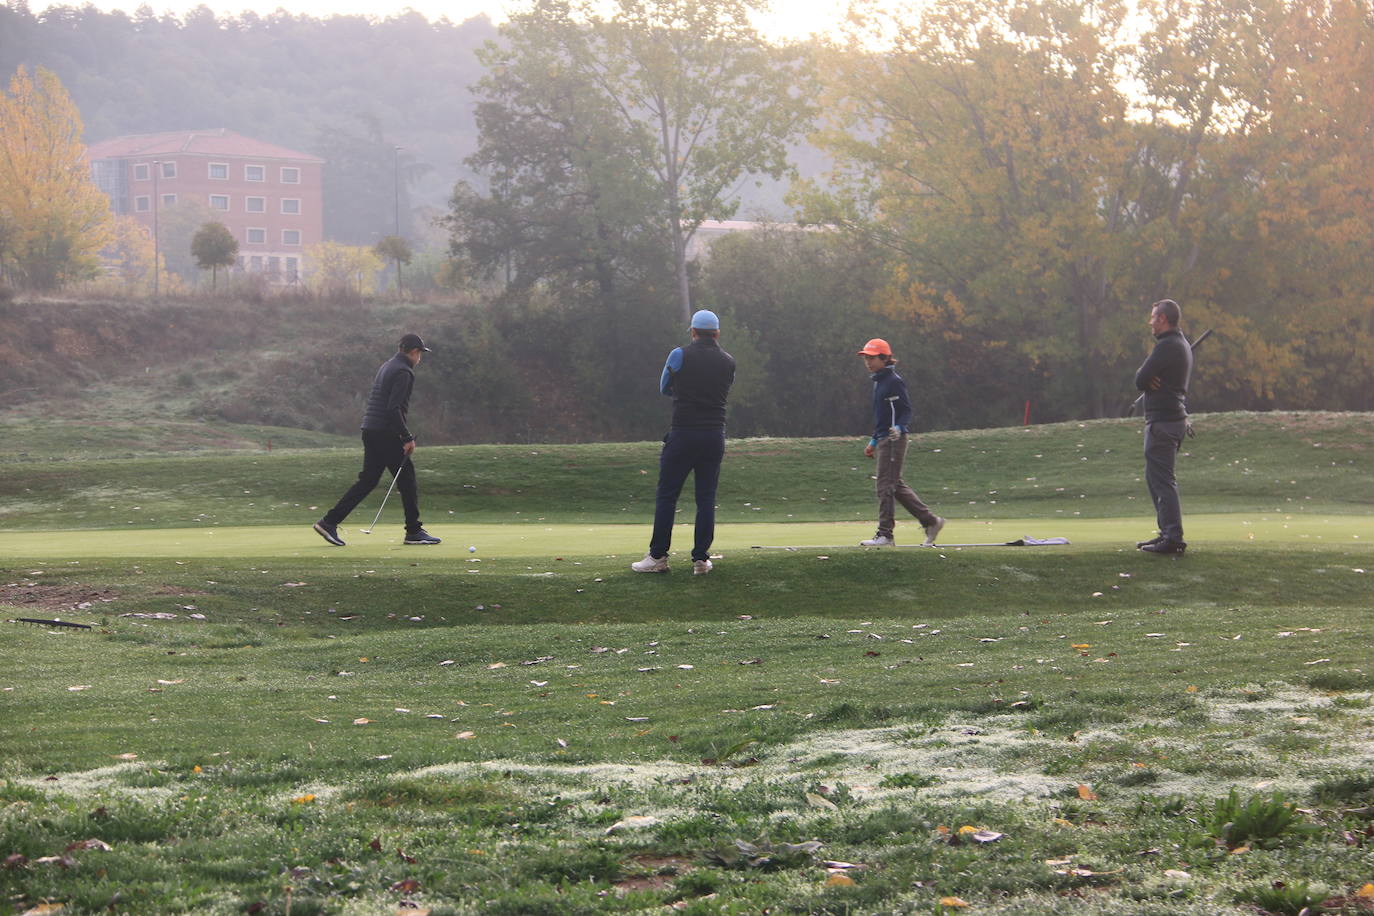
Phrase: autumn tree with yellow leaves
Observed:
(53, 218)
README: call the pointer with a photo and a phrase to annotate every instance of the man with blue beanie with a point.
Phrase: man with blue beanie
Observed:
(698, 379)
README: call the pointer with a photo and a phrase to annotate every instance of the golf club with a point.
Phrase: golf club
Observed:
(368, 529)
(1019, 542)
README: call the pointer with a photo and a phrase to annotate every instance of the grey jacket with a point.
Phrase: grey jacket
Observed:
(1172, 362)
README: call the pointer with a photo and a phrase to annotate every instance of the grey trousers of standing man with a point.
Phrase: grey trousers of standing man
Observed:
(1163, 439)
(891, 489)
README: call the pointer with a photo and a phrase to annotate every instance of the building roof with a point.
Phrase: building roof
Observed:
(214, 142)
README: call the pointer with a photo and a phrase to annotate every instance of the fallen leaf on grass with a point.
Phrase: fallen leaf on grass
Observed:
(842, 866)
(406, 886)
(820, 801)
(180, 680)
(1086, 793)
(376, 844)
(839, 879)
(633, 822)
(125, 756)
(955, 902)
(362, 721)
(1081, 872)
(303, 799)
(44, 909)
(1366, 892)
(79, 687)
(986, 836)
(1177, 874)
(494, 665)
(465, 735)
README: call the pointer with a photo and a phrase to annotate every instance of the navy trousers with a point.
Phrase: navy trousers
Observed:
(688, 451)
(382, 451)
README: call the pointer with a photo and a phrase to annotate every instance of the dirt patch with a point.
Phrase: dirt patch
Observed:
(75, 597)
(665, 869)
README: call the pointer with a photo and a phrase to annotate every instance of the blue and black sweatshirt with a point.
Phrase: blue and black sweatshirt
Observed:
(698, 378)
(891, 404)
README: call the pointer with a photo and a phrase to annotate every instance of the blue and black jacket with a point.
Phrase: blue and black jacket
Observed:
(698, 378)
(389, 400)
(891, 404)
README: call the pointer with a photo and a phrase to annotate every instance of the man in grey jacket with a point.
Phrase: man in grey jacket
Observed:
(1164, 377)
(387, 444)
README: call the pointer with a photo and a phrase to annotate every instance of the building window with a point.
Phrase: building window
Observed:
(257, 236)
(255, 173)
(219, 201)
(291, 205)
(169, 200)
(293, 269)
(290, 175)
(255, 264)
(142, 204)
(169, 170)
(290, 236)
(141, 172)
(274, 265)
(255, 204)
(219, 171)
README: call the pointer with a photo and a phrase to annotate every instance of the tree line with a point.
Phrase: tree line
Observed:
(1013, 186)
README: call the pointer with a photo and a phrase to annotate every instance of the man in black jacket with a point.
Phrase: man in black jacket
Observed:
(698, 379)
(387, 444)
(1164, 378)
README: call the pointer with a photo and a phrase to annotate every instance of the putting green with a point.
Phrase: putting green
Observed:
(539, 540)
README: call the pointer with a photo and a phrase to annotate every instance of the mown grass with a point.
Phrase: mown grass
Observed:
(363, 729)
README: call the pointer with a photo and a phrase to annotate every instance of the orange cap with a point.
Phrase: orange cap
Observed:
(876, 347)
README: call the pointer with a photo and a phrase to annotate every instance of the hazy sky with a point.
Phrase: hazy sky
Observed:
(788, 18)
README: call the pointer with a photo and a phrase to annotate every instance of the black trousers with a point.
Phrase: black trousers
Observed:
(382, 451)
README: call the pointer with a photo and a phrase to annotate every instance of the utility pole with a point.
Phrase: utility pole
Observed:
(396, 203)
(157, 257)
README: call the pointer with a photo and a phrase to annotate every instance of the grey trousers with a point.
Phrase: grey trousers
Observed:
(890, 453)
(1163, 439)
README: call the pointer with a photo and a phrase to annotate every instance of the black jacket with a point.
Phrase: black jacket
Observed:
(389, 400)
(698, 378)
(1172, 362)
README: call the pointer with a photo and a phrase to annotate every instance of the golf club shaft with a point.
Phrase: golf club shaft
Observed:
(385, 498)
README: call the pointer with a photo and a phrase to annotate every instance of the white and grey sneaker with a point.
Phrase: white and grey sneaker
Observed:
(651, 564)
(933, 531)
(701, 567)
(878, 540)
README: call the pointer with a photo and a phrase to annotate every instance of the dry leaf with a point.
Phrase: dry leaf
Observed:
(633, 822)
(1177, 875)
(362, 721)
(818, 801)
(125, 756)
(987, 836)
(1086, 793)
(495, 665)
(180, 680)
(839, 879)
(44, 909)
(465, 735)
(955, 902)
(1366, 892)
(304, 799)
(79, 687)
(89, 844)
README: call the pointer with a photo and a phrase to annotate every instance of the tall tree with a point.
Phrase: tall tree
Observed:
(214, 246)
(56, 219)
(686, 92)
(993, 152)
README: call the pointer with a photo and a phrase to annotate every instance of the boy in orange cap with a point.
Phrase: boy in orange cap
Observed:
(891, 427)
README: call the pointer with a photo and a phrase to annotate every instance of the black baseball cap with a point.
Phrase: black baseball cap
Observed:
(413, 342)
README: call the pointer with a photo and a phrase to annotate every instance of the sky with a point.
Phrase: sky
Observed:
(787, 19)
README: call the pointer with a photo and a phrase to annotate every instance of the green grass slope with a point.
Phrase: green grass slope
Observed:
(259, 722)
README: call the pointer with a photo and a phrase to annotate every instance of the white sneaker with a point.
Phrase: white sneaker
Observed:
(701, 567)
(878, 540)
(933, 531)
(651, 564)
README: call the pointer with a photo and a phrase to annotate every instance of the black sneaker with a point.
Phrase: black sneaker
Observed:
(1154, 540)
(421, 536)
(1165, 547)
(329, 532)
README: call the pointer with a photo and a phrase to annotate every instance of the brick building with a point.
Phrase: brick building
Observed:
(269, 197)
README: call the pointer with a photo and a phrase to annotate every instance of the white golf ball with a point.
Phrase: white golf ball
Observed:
(472, 550)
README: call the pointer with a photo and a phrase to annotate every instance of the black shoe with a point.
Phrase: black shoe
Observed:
(1165, 547)
(421, 536)
(329, 532)
(1141, 545)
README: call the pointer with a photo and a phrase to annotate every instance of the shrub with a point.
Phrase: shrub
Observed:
(1261, 821)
